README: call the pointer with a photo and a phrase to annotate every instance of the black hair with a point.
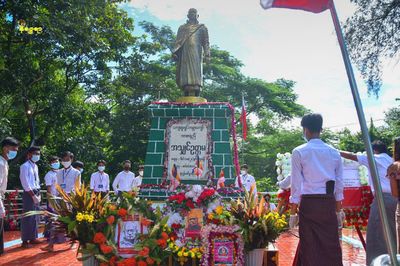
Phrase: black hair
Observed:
(127, 161)
(379, 146)
(78, 164)
(245, 166)
(101, 161)
(396, 149)
(9, 141)
(33, 149)
(67, 153)
(313, 122)
(53, 158)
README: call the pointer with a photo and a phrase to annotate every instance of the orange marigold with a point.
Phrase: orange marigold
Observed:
(122, 212)
(162, 242)
(99, 238)
(164, 235)
(105, 249)
(146, 222)
(110, 219)
(142, 263)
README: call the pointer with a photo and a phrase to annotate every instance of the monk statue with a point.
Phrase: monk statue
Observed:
(191, 47)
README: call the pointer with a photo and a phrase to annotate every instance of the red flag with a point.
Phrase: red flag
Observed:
(243, 119)
(315, 6)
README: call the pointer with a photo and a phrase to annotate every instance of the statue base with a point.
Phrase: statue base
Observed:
(191, 99)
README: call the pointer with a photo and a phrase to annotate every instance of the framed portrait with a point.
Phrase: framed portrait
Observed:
(223, 246)
(194, 223)
(127, 233)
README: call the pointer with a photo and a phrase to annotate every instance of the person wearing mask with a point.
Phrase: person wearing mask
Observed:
(393, 173)
(246, 179)
(100, 181)
(29, 176)
(78, 165)
(137, 181)
(375, 238)
(124, 180)
(68, 175)
(9, 149)
(317, 187)
(51, 181)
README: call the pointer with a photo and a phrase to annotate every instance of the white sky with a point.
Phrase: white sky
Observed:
(283, 43)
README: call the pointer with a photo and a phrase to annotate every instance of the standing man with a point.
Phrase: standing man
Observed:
(247, 180)
(375, 237)
(100, 181)
(191, 46)
(9, 149)
(124, 180)
(68, 175)
(137, 181)
(317, 185)
(29, 176)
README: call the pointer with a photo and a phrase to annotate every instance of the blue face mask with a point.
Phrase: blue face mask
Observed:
(81, 170)
(101, 168)
(35, 158)
(11, 155)
(55, 166)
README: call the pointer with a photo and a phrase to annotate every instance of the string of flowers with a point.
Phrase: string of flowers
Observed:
(11, 221)
(359, 216)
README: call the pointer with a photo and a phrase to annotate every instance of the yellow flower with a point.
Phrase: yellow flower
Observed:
(185, 254)
(90, 218)
(86, 217)
(219, 210)
(180, 254)
(210, 216)
(171, 245)
(79, 217)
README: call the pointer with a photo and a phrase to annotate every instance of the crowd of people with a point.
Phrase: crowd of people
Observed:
(65, 172)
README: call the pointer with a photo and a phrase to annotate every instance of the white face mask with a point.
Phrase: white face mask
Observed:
(66, 164)
(243, 172)
(35, 158)
(101, 168)
(141, 173)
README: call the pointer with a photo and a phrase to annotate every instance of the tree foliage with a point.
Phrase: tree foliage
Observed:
(373, 35)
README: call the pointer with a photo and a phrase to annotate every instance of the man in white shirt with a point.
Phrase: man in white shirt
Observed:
(137, 181)
(247, 180)
(123, 182)
(68, 175)
(317, 186)
(375, 237)
(9, 149)
(29, 176)
(100, 181)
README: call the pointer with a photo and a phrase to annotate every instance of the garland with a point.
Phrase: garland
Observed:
(11, 222)
(212, 231)
(359, 216)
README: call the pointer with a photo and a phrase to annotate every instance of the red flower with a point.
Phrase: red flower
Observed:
(142, 263)
(146, 222)
(176, 226)
(110, 219)
(99, 238)
(164, 235)
(150, 261)
(122, 212)
(105, 249)
(144, 252)
(128, 262)
(190, 204)
(162, 243)
(113, 260)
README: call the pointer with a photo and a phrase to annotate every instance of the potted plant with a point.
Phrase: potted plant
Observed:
(259, 226)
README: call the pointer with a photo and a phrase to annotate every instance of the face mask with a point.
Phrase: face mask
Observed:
(101, 168)
(55, 165)
(81, 170)
(35, 158)
(66, 164)
(141, 173)
(243, 172)
(11, 155)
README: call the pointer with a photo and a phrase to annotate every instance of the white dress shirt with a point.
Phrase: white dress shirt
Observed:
(51, 180)
(29, 176)
(313, 164)
(100, 182)
(123, 181)
(3, 183)
(382, 162)
(247, 182)
(66, 178)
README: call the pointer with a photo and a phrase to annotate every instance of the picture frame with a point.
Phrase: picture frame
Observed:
(127, 233)
(194, 223)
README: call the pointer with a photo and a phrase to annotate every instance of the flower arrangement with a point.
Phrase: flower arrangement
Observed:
(359, 216)
(195, 197)
(10, 221)
(283, 165)
(258, 226)
(220, 216)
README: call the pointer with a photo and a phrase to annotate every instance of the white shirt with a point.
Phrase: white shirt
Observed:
(285, 183)
(100, 182)
(3, 183)
(382, 162)
(51, 180)
(123, 181)
(29, 176)
(313, 164)
(137, 181)
(66, 178)
(247, 182)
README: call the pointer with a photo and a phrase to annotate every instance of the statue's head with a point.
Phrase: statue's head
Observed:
(192, 14)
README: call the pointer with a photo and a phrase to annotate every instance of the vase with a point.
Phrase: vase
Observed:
(90, 261)
(255, 257)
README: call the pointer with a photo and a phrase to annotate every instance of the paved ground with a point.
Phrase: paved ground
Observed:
(64, 256)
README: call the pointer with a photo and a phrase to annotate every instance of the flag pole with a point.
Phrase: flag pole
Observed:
(390, 244)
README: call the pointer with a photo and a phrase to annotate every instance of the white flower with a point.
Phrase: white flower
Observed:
(190, 194)
(278, 163)
(178, 243)
(175, 218)
(287, 154)
(278, 171)
(279, 156)
(197, 189)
